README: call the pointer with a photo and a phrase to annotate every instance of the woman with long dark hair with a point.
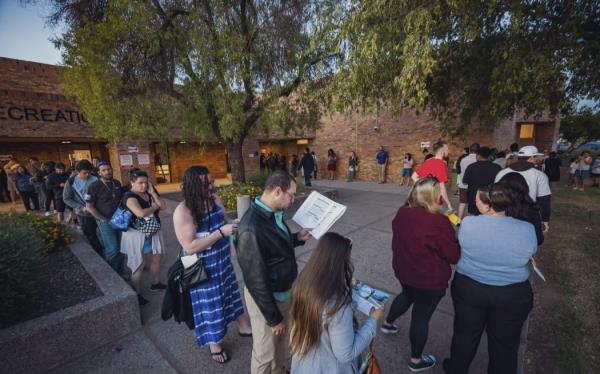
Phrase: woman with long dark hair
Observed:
(407, 169)
(491, 289)
(524, 208)
(331, 163)
(143, 201)
(323, 339)
(424, 246)
(201, 229)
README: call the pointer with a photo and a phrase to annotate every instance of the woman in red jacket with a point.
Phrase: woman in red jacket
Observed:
(424, 246)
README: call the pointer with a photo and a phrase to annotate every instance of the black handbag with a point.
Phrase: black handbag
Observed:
(194, 275)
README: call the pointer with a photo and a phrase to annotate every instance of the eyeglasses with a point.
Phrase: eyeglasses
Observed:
(291, 195)
(428, 179)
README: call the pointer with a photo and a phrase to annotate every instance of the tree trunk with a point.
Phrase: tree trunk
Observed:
(236, 158)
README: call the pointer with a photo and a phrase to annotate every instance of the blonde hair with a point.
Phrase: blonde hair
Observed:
(425, 194)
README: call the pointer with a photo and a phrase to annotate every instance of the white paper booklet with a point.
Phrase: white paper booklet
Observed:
(318, 214)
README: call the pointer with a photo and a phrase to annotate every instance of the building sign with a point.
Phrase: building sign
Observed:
(132, 149)
(143, 158)
(126, 160)
(18, 113)
(425, 145)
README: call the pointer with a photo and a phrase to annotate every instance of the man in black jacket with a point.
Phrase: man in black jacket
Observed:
(265, 247)
(308, 166)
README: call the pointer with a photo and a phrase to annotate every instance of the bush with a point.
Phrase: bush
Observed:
(228, 194)
(54, 234)
(257, 178)
(22, 255)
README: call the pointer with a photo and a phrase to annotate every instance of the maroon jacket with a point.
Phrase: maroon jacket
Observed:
(424, 245)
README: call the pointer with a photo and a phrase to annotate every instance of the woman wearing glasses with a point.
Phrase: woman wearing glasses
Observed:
(201, 229)
(491, 289)
(323, 338)
(424, 246)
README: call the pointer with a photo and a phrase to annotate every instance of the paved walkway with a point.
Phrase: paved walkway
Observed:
(166, 347)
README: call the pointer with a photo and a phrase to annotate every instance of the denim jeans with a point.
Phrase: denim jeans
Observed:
(111, 239)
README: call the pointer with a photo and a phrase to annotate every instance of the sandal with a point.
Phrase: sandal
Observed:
(222, 354)
(245, 334)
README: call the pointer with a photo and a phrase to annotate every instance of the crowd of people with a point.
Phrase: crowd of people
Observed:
(504, 203)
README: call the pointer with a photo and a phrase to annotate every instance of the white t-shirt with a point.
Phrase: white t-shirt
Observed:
(583, 164)
(573, 167)
(536, 180)
(471, 158)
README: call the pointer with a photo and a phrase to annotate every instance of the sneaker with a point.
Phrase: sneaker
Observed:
(388, 328)
(158, 287)
(427, 362)
(142, 301)
(47, 214)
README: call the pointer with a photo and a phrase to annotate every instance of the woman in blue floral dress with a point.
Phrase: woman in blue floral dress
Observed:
(201, 229)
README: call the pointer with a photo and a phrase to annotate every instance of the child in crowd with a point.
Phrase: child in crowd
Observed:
(572, 169)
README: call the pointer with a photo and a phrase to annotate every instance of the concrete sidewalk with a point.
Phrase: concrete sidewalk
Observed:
(167, 347)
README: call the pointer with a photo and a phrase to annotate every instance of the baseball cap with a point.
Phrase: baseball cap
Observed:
(528, 151)
(59, 165)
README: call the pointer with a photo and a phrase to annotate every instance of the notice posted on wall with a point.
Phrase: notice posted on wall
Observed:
(143, 158)
(318, 214)
(126, 160)
(365, 297)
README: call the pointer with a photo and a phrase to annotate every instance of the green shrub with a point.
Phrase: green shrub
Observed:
(22, 255)
(54, 234)
(228, 194)
(257, 178)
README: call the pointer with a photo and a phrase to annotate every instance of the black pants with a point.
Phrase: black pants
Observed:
(89, 226)
(424, 302)
(49, 199)
(500, 310)
(30, 200)
(307, 179)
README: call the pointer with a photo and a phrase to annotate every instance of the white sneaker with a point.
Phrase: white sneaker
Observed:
(48, 214)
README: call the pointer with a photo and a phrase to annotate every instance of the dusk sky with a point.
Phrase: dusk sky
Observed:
(24, 34)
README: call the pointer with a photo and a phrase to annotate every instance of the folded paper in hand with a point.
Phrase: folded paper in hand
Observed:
(365, 297)
(318, 214)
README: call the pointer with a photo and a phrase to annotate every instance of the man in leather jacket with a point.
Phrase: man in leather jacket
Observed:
(265, 248)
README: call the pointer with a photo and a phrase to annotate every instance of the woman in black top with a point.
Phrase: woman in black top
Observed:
(552, 167)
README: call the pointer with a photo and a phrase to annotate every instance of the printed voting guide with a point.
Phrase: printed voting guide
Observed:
(318, 214)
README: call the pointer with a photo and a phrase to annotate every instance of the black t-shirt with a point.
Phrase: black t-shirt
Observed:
(105, 197)
(143, 203)
(478, 174)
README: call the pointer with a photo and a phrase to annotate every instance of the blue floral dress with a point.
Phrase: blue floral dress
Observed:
(217, 302)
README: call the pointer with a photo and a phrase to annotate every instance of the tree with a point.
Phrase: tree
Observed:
(463, 60)
(581, 126)
(210, 69)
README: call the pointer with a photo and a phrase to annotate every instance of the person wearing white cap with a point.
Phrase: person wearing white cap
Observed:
(537, 180)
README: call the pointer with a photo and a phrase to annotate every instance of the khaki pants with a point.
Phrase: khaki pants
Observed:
(381, 169)
(270, 352)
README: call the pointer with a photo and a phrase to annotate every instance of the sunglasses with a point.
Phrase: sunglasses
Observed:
(428, 179)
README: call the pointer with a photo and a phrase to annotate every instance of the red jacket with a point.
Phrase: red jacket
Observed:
(424, 245)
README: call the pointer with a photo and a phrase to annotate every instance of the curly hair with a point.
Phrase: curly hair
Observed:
(197, 191)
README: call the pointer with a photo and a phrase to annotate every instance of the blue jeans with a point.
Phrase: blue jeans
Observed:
(111, 239)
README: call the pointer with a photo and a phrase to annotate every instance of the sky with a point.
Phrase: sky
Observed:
(24, 34)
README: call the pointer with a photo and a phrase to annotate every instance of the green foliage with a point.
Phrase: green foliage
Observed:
(207, 70)
(21, 259)
(463, 60)
(228, 194)
(257, 178)
(581, 126)
(54, 234)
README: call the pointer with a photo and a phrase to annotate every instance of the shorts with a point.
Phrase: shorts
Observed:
(147, 248)
(406, 172)
(463, 195)
(582, 173)
(330, 167)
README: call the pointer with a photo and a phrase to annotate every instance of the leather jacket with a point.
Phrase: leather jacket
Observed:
(267, 259)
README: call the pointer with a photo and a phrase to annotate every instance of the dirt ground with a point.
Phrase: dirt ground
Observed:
(564, 330)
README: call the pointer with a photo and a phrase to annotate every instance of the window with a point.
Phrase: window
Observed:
(526, 131)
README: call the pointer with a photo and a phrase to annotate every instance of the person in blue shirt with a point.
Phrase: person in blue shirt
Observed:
(382, 160)
(491, 289)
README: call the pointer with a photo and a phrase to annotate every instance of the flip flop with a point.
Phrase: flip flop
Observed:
(245, 334)
(222, 354)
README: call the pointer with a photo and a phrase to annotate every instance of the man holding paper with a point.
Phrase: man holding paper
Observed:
(265, 247)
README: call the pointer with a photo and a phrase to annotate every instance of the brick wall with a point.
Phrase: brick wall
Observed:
(185, 155)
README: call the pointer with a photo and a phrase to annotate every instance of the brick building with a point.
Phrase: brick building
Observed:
(37, 119)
